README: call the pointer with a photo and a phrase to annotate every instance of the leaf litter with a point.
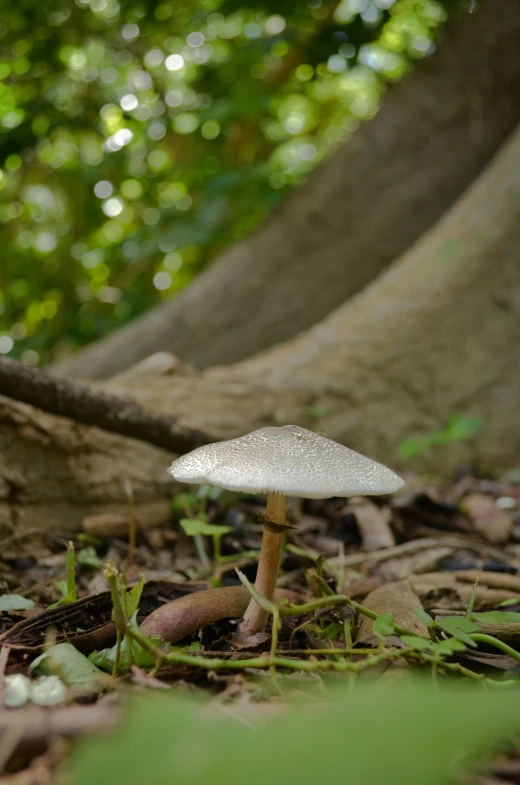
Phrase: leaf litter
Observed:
(426, 583)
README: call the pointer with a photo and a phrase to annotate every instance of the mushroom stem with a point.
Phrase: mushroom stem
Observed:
(255, 617)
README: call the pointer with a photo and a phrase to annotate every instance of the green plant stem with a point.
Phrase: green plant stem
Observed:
(118, 613)
(472, 598)
(236, 557)
(216, 548)
(297, 610)
(228, 563)
(274, 646)
(498, 644)
(308, 607)
(329, 567)
(198, 539)
(310, 652)
(124, 604)
(323, 585)
(274, 634)
(349, 651)
(71, 574)
(301, 626)
(454, 667)
(347, 631)
(117, 656)
(263, 662)
(337, 599)
(201, 551)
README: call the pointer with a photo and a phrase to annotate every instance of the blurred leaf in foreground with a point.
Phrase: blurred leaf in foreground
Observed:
(381, 733)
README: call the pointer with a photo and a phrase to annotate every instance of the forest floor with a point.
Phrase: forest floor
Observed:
(426, 581)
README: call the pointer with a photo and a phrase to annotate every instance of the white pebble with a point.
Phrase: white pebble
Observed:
(17, 689)
(48, 691)
(506, 503)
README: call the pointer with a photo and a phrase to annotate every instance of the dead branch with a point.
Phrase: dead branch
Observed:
(109, 412)
(37, 726)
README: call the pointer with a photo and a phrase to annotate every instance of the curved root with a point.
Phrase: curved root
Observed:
(182, 617)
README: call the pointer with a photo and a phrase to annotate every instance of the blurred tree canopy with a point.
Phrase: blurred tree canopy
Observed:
(137, 139)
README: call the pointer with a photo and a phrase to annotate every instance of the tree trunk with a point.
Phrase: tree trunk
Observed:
(360, 210)
(435, 335)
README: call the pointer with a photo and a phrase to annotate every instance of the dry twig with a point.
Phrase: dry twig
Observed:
(82, 404)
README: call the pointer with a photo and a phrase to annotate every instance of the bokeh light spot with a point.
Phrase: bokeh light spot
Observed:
(161, 281)
(129, 102)
(130, 32)
(275, 24)
(103, 189)
(112, 207)
(7, 343)
(174, 62)
(210, 129)
(195, 39)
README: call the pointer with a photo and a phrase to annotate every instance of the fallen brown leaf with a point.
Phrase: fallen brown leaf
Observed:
(423, 561)
(489, 520)
(495, 580)
(432, 586)
(400, 600)
(373, 523)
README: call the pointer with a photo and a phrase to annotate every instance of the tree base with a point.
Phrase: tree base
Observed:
(435, 336)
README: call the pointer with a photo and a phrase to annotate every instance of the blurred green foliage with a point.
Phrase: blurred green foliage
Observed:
(405, 732)
(137, 139)
(459, 428)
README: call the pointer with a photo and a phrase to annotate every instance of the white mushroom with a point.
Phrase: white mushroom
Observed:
(285, 461)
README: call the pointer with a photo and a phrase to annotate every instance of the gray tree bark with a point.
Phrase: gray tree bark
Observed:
(359, 210)
(435, 335)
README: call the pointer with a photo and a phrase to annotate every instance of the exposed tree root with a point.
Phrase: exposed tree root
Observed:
(435, 336)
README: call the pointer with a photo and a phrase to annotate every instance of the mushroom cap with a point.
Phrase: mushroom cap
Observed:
(289, 460)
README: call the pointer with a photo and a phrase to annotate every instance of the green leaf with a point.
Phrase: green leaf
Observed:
(411, 448)
(384, 625)
(105, 658)
(446, 647)
(332, 630)
(88, 557)
(133, 598)
(449, 646)
(416, 641)
(461, 428)
(423, 616)
(15, 602)
(458, 428)
(380, 733)
(459, 627)
(194, 527)
(183, 501)
(512, 601)
(70, 597)
(70, 664)
(459, 623)
(497, 617)
(89, 538)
